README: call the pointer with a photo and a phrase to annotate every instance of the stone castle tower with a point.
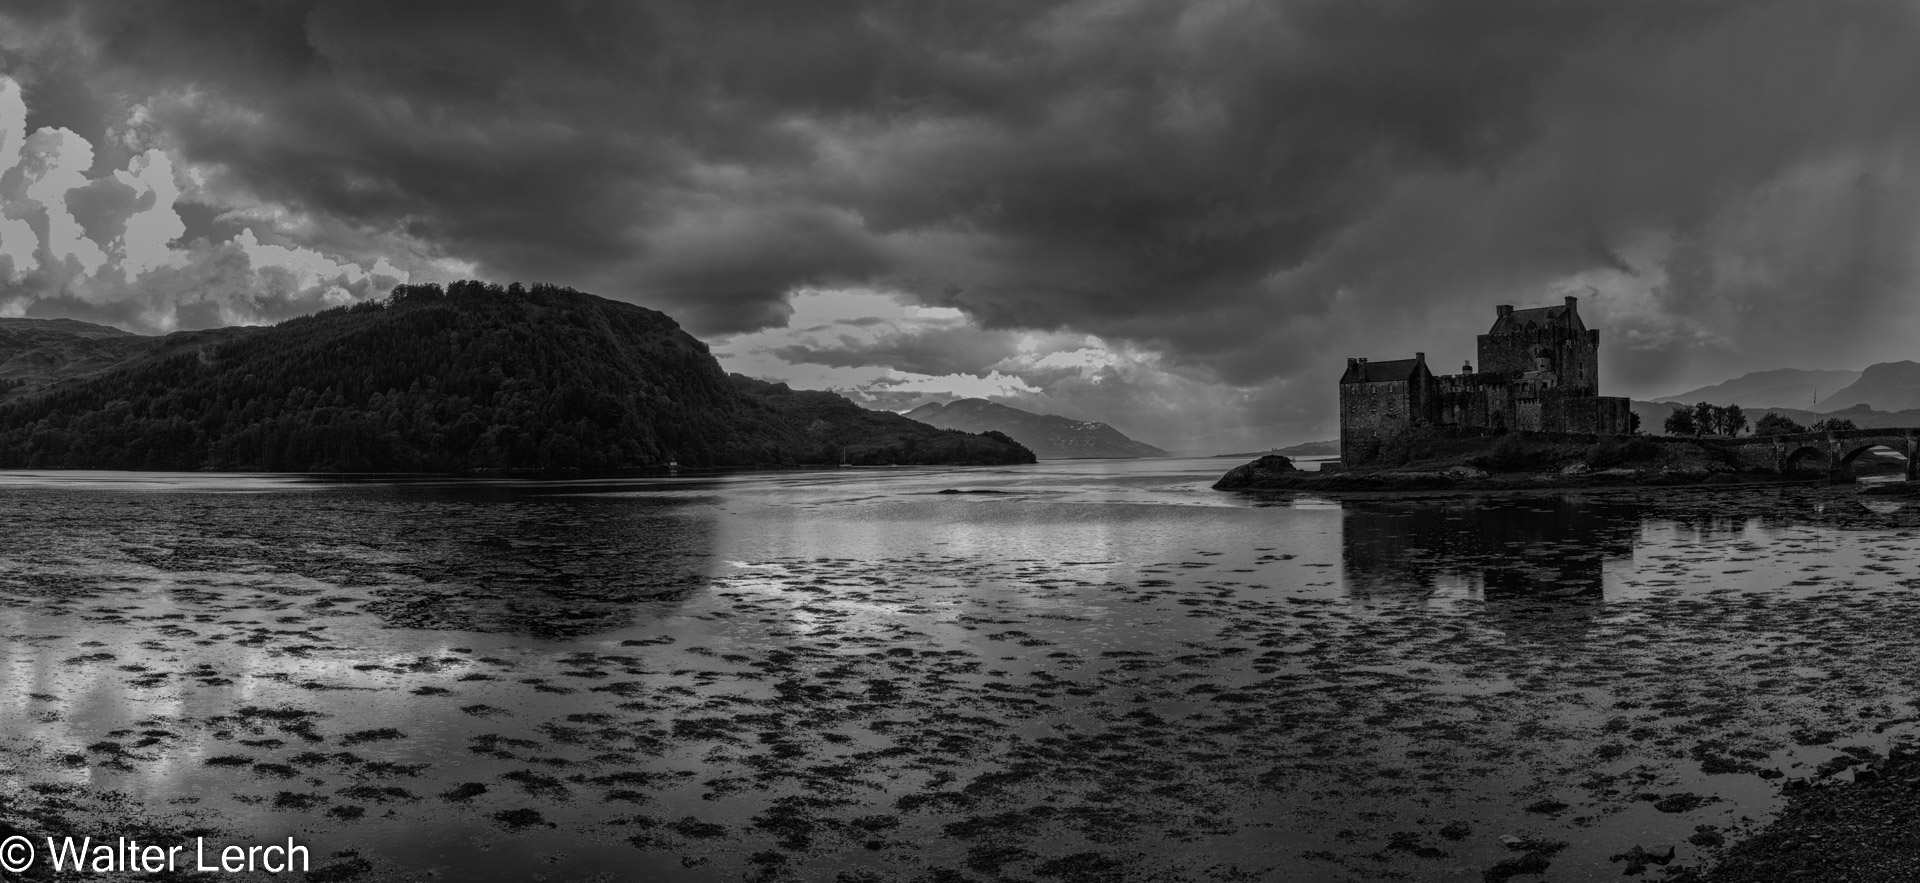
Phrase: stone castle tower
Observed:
(1543, 345)
(1539, 371)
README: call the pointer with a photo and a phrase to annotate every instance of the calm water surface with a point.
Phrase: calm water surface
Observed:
(1073, 671)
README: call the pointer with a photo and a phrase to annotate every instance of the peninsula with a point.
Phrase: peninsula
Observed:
(470, 378)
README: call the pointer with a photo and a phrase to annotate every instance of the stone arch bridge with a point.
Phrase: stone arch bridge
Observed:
(1782, 453)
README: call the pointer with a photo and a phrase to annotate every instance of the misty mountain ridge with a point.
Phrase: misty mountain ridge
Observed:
(1653, 416)
(1049, 436)
(470, 378)
(1778, 388)
(1885, 386)
(1884, 394)
(1328, 448)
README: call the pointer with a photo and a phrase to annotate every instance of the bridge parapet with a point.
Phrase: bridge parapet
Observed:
(1841, 447)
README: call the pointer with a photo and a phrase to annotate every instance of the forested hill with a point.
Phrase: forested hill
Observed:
(473, 377)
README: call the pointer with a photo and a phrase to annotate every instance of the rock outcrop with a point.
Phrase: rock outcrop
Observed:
(1270, 471)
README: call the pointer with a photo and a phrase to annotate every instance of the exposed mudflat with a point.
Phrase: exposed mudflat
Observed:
(1101, 673)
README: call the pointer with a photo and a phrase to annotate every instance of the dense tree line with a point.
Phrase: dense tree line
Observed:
(469, 377)
(1771, 423)
(1708, 419)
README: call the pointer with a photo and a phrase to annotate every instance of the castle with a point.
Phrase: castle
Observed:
(1539, 371)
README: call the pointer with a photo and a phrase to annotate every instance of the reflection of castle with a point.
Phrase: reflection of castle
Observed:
(1539, 371)
(1520, 549)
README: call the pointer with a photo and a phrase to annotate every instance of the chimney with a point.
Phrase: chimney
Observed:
(1420, 358)
(1573, 304)
(1502, 310)
(1352, 361)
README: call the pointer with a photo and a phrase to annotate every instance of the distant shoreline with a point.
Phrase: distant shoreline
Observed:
(1385, 485)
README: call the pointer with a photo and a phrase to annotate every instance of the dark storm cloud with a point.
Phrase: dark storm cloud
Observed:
(1252, 189)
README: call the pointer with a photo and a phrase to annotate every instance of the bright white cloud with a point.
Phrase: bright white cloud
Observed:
(144, 245)
(13, 123)
(56, 161)
(842, 340)
(992, 385)
(144, 275)
(18, 242)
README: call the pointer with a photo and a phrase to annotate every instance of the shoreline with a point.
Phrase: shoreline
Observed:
(1341, 485)
(1863, 827)
(1537, 468)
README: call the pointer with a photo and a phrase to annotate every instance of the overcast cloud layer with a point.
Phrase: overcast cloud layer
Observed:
(1177, 217)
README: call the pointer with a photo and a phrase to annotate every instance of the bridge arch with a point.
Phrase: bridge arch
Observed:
(1847, 461)
(1801, 455)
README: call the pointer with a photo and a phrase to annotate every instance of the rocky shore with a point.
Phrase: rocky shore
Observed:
(1277, 473)
(1862, 824)
(1518, 461)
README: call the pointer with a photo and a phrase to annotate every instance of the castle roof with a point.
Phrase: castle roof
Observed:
(1543, 317)
(1380, 372)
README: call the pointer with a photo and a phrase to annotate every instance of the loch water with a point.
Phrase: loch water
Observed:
(1071, 670)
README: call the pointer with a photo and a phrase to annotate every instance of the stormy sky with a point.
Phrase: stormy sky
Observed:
(1178, 217)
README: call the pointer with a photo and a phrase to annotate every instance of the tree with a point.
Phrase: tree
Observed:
(1706, 418)
(1732, 420)
(1633, 423)
(1771, 423)
(1681, 422)
(1832, 424)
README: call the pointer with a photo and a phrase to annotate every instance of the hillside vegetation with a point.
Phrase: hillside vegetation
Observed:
(35, 353)
(473, 377)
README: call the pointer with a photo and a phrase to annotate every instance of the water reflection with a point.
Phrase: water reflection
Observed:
(1882, 507)
(882, 665)
(550, 566)
(487, 558)
(1522, 550)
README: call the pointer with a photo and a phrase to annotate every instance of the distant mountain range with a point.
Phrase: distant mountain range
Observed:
(1885, 394)
(1049, 436)
(472, 377)
(1887, 386)
(1328, 448)
(1779, 388)
(1654, 414)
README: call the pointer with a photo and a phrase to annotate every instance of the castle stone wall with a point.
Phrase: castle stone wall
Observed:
(1574, 356)
(1471, 400)
(1373, 411)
